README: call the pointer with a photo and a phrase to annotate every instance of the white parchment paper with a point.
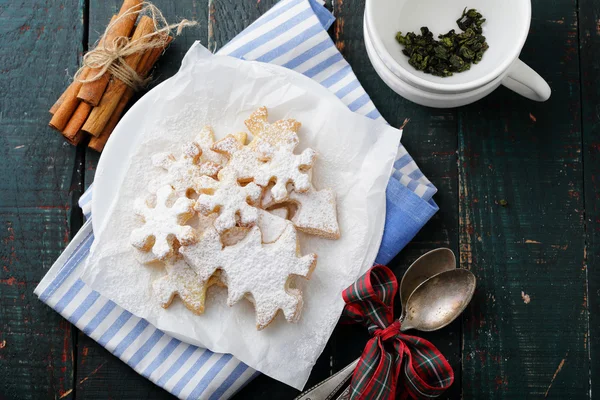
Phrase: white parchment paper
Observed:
(355, 156)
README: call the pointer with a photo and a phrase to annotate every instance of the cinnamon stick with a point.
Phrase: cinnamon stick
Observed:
(144, 68)
(98, 142)
(69, 104)
(72, 131)
(91, 92)
(60, 100)
(116, 88)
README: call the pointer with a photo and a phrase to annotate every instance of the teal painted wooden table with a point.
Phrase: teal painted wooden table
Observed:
(519, 197)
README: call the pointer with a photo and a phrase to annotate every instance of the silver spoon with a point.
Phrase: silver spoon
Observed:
(424, 267)
(439, 300)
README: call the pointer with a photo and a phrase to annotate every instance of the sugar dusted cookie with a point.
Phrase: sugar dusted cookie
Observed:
(232, 201)
(182, 281)
(282, 166)
(182, 172)
(281, 212)
(271, 226)
(241, 236)
(261, 271)
(283, 132)
(205, 139)
(163, 223)
(316, 213)
(243, 160)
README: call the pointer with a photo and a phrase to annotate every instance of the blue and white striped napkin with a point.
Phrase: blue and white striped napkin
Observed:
(292, 34)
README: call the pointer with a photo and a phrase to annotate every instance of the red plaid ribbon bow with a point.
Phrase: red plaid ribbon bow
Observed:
(426, 372)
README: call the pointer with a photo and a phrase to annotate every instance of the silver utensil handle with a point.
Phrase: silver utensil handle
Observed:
(345, 394)
(326, 389)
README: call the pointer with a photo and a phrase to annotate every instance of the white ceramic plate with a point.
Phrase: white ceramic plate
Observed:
(116, 154)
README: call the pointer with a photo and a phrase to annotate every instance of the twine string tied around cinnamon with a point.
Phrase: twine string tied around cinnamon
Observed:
(110, 57)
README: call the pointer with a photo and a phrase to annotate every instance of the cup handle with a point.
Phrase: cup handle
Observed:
(526, 82)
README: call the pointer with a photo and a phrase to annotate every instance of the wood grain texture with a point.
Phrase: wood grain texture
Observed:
(532, 330)
(100, 375)
(227, 18)
(430, 137)
(40, 42)
(589, 42)
(525, 332)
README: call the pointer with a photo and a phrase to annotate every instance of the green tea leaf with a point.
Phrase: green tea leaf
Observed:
(452, 52)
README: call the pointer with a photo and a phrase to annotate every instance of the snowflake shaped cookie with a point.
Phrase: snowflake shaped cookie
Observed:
(163, 224)
(283, 166)
(231, 200)
(243, 160)
(260, 272)
(181, 280)
(205, 140)
(184, 171)
(282, 132)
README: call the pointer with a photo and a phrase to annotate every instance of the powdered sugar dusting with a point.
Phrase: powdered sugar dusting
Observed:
(259, 270)
(182, 172)
(243, 160)
(316, 213)
(230, 200)
(283, 166)
(183, 281)
(205, 139)
(271, 225)
(280, 133)
(355, 155)
(163, 223)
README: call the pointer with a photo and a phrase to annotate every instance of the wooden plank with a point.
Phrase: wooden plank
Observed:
(39, 47)
(430, 137)
(227, 18)
(521, 227)
(101, 375)
(589, 39)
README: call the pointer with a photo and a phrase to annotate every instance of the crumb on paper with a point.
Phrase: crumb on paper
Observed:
(525, 297)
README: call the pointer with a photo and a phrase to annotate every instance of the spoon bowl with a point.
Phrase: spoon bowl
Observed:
(439, 300)
(426, 266)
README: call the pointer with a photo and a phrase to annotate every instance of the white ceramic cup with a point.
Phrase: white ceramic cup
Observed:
(506, 29)
(422, 97)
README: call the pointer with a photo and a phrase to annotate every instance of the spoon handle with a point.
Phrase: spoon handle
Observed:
(327, 389)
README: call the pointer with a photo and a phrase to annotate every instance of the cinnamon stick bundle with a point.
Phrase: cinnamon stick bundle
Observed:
(94, 106)
(68, 102)
(72, 131)
(144, 67)
(116, 88)
(91, 92)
